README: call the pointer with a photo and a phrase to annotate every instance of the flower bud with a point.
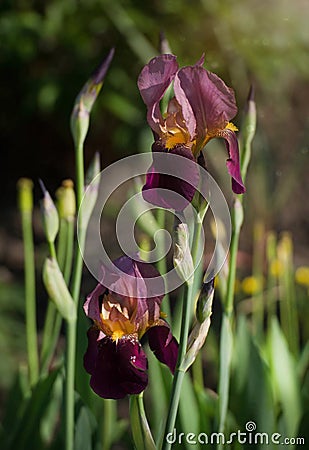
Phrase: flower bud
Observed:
(85, 100)
(182, 258)
(248, 131)
(204, 302)
(238, 216)
(201, 326)
(25, 195)
(49, 215)
(58, 290)
(66, 200)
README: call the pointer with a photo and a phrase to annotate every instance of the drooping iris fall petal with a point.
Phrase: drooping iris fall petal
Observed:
(116, 368)
(156, 181)
(232, 162)
(164, 345)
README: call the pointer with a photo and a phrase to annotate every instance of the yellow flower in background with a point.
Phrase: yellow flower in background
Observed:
(251, 285)
(302, 275)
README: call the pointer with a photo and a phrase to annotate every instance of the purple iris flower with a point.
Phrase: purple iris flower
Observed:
(200, 110)
(114, 357)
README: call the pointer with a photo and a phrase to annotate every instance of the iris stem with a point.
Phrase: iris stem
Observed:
(228, 317)
(179, 374)
(184, 332)
(71, 326)
(161, 264)
(64, 256)
(30, 297)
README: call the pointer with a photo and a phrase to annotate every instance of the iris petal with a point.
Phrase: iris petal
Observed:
(156, 181)
(205, 100)
(232, 162)
(116, 368)
(153, 81)
(135, 287)
(164, 345)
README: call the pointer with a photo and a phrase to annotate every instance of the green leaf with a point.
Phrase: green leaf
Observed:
(251, 396)
(25, 432)
(284, 379)
(189, 410)
(85, 428)
(225, 362)
(142, 437)
(157, 392)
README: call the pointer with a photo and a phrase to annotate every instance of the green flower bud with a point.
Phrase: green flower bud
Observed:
(201, 326)
(238, 215)
(58, 290)
(248, 128)
(204, 302)
(49, 215)
(66, 200)
(182, 258)
(85, 100)
(25, 195)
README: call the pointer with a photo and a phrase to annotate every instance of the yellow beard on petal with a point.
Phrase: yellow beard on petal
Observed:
(117, 335)
(174, 137)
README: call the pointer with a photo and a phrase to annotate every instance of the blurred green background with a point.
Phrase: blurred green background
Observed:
(47, 51)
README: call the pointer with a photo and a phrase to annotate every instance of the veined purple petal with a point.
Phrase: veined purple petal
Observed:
(232, 162)
(152, 82)
(116, 368)
(207, 103)
(147, 301)
(92, 305)
(164, 345)
(92, 352)
(156, 181)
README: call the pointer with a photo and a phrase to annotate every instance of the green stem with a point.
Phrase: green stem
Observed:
(49, 324)
(184, 332)
(71, 326)
(109, 417)
(30, 298)
(179, 373)
(65, 252)
(228, 316)
(161, 264)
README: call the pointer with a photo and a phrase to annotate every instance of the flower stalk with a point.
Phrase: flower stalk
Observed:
(80, 119)
(25, 203)
(187, 308)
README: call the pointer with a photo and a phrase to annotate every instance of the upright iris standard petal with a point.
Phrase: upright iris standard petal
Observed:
(153, 81)
(207, 96)
(160, 189)
(114, 357)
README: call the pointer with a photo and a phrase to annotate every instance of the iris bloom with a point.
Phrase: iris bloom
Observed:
(200, 110)
(114, 357)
